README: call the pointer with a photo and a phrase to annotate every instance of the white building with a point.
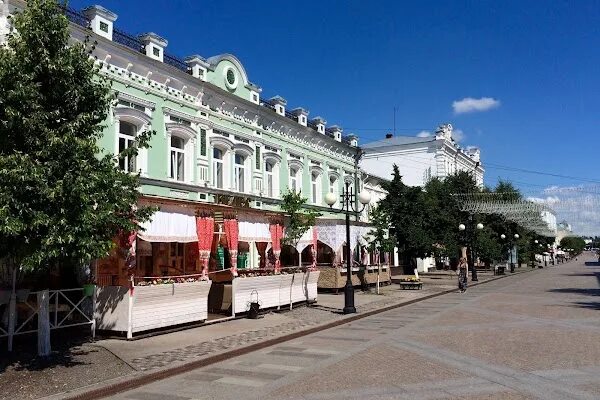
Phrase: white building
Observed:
(421, 158)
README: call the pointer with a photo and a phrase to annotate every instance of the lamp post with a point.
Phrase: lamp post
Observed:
(348, 207)
(510, 249)
(470, 239)
(533, 254)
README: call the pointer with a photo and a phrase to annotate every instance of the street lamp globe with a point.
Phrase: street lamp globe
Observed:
(516, 235)
(503, 236)
(461, 227)
(541, 245)
(535, 241)
(330, 199)
(480, 226)
(364, 197)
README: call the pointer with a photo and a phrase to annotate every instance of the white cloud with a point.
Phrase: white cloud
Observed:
(458, 135)
(424, 134)
(469, 104)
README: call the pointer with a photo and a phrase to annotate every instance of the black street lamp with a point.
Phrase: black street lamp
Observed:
(510, 249)
(348, 206)
(533, 254)
(470, 240)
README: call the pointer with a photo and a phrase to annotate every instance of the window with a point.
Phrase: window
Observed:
(230, 76)
(218, 168)
(316, 188)
(103, 26)
(126, 140)
(293, 179)
(156, 51)
(240, 172)
(177, 158)
(176, 255)
(203, 142)
(257, 153)
(269, 178)
(129, 104)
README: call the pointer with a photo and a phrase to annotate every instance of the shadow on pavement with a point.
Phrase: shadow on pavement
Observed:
(592, 264)
(593, 305)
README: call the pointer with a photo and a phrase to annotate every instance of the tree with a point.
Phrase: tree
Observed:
(573, 242)
(406, 209)
(299, 219)
(379, 238)
(61, 201)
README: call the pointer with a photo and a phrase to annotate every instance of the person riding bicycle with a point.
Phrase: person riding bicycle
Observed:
(462, 275)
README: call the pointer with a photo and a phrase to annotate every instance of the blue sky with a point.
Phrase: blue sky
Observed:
(352, 62)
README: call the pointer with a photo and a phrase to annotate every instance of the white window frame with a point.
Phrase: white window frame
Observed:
(176, 168)
(188, 135)
(129, 142)
(240, 184)
(141, 120)
(215, 163)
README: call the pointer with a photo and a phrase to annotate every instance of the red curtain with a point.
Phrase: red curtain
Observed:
(205, 229)
(231, 234)
(276, 236)
(262, 252)
(314, 248)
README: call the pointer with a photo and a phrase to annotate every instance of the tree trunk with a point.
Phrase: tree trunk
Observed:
(43, 323)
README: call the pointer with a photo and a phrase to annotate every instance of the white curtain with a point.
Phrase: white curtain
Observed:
(253, 228)
(168, 225)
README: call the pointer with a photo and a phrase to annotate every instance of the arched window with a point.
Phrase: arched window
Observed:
(127, 132)
(294, 185)
(269, 178)
(316, 187)
(240, 172)
(177, 151)
(217, 168)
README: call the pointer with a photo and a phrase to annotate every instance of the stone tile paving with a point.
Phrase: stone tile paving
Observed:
(406, 353)
(303, 318)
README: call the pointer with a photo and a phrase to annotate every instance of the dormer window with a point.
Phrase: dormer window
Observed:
(155, 51)
(103, 26)
(231, 78)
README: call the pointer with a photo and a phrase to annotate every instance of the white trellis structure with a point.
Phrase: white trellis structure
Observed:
(526, 213)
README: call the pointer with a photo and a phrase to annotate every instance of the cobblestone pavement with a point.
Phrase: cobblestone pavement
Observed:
(532, 336)
(300, 318)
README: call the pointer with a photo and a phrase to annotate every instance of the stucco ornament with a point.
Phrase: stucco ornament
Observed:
(444, 131)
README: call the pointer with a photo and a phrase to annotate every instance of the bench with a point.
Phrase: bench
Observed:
(499, 270)
(411, 285)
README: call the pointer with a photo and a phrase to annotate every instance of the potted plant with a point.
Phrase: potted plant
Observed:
(89, 286)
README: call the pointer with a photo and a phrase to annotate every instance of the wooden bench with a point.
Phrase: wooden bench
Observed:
(411, 285)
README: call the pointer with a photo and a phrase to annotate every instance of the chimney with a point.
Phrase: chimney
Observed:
(320, 123)
(300, 114)
(154, 45)
(336, 131)
(389, 135)
(279, 103)
(101, 20)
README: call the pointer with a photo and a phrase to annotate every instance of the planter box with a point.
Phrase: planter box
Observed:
(335, 277)
(274, 290)
(151, 307)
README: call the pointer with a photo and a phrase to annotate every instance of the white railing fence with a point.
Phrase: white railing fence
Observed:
(53, 309)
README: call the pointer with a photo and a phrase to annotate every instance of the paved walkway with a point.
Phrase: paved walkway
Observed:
(170, 350)
(532, 336)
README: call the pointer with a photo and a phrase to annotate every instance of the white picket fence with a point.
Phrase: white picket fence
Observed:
(54, 309)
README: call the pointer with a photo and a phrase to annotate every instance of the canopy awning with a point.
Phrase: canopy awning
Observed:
(167, 225)
(253, 228)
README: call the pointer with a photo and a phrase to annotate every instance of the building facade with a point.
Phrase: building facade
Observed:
(220, 151)
(422, 158)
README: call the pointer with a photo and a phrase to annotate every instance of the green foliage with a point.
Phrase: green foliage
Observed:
(60, 202)
(573, 242)
(299, 218)
(405, 207)
(378, 237)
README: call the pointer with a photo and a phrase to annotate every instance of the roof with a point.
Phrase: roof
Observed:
(397, 141)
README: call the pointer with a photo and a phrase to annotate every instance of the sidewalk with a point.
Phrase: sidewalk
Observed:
(161, 353)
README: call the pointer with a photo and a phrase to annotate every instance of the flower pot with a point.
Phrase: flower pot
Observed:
(88, 289)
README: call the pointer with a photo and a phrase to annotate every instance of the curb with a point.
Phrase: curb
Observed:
(109, 389)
